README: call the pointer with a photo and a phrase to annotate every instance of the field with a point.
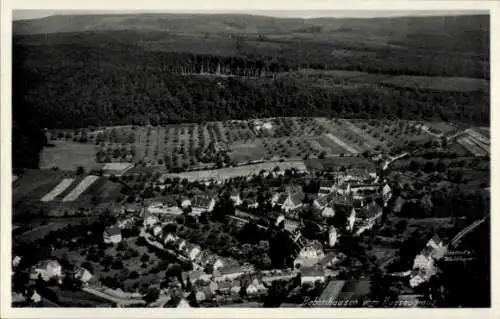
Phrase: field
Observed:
(209, 145)
(68, 155)
(34, 192)
(32, 185)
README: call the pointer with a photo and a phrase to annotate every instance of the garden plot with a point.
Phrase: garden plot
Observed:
(80, 188)
(59, 189)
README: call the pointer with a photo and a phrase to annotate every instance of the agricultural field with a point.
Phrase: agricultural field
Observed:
(68, 155)
(33, 185)
(59, 192)
(209, 145)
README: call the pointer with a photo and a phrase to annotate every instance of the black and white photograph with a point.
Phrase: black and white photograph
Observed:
(250, 159)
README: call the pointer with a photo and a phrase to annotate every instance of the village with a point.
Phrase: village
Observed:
(278, 246)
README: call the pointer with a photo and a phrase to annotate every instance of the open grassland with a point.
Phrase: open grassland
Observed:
(68, 155)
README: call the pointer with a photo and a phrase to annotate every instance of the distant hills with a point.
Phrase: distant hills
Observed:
(467, 34)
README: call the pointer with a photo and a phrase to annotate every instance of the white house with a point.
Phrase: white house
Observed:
(326, 187)
(235, 197)
(47, 269)
(309, 255)
(192, 251)
(16, 261)
(332, 236)
(367, 217)
(185, 203)
(289, 224)
(35, 297)
(112, 235)
(202, 204)
(150, 220)
(438, 247)
(423, 261)
(386, 193)
(181, 244)
(289, 201)
(83, 275)
(420, 276)
(157, 230)
(169, 238)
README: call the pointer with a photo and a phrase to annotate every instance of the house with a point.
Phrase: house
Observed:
(181, 244)
(16, 261)
(192, 251)
(224, 286)
(235, 197)
(288, 224)
(82, 275)
(112, 235)
(255, 287)
(326, 187)
(201, 204)
(398, 205)
(232, 272)
(309, 255)
(386, 194)
(150, 220)
(290, 201)
(185, 203)
(125, 222)
(169, 238)
(424, 260)
(46, 269)
(419, 277)
(274, 198)
(235, 289)
(311, 275)
(251, 203)
(438, 248)
(157, 230)
(183, 304)
(245, 215)
(195, 275)
(367, 217)
(34, 297)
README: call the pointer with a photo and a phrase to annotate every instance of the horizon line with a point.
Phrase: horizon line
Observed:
(28, 15)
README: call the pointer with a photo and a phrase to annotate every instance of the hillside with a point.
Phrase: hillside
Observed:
(80, 71)
(467, 34)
